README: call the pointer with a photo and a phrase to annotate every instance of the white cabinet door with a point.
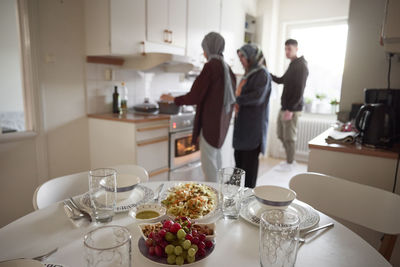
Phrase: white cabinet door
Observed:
(157, 20)
(97, 27)
(177, 22)
(127, 26)
(198, 26)
(153, 154)
(232, 28)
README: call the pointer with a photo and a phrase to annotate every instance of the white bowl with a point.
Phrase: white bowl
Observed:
(151, 207)
(126, 183)
(274, 197)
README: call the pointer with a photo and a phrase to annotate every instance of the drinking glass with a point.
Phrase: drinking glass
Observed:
(231, 185)
(108, 246)
(102, 191)
(279, 233)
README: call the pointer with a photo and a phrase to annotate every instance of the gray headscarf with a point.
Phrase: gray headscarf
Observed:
(254, 56)
(213, 44)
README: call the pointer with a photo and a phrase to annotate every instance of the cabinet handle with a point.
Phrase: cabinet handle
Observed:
(151, 128)
(170, 39)
(153, 141)
(165, 36)
(143, 49)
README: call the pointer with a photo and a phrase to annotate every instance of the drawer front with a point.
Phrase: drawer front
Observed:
(159, 175)
(153, 154)
(147, 132)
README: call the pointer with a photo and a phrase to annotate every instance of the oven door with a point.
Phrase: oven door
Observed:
(182, 152)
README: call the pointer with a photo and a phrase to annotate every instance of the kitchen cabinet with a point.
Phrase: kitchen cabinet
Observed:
(166, 22)
(116, 142)
(391, 30)
(114, 27)
(233, 16)
(198, 26)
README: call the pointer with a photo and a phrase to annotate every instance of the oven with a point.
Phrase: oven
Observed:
(184, 157)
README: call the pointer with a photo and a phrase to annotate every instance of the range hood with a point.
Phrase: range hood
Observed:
(168, 62)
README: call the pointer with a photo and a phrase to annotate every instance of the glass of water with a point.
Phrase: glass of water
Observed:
(231, 185)
(279, 233)
(108, 246)
(102, 191)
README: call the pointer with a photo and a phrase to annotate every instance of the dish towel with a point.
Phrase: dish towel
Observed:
(341, 137)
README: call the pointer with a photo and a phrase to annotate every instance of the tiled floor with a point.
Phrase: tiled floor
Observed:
(268, 173)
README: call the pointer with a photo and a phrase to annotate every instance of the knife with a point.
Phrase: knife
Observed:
(79, 209)
(157, 193)
(302, 240)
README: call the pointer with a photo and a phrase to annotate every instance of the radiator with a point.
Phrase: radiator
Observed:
(307, 129)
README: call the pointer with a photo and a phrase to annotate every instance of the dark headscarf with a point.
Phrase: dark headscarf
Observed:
(214, 44)
(254, 56)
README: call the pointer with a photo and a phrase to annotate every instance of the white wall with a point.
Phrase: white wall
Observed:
(11, 98)
(366, 64)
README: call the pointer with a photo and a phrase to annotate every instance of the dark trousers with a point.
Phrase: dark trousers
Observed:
(247, 160)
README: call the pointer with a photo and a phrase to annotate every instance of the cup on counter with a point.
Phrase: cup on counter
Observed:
(103, 193)
(231, 185)
(108, 246)
(279, 233)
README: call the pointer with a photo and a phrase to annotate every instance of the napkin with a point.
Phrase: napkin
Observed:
(341, 137)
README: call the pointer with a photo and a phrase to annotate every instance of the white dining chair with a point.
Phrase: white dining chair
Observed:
(64, 187)
(364, 205)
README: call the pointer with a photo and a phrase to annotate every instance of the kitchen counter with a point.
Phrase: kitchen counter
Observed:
(320, 143)
(131, 117)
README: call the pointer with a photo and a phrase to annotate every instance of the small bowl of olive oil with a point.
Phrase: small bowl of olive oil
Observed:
(148, 213)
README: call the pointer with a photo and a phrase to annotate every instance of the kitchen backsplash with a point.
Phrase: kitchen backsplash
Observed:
(140, 85)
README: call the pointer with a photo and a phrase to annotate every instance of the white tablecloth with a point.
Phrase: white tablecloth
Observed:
(236, 242)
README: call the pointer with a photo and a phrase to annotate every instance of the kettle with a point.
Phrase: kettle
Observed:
(375, 122)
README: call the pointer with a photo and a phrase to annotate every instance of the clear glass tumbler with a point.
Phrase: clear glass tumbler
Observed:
(231, 185)
(102, 191)
(279, 233)
(108, 246)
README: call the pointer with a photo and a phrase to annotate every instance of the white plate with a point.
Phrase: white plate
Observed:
(251, 212)
(22, 263)
(140, 195)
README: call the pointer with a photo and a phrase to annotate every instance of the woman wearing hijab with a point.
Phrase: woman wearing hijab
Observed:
(252, 110)
(214, 94)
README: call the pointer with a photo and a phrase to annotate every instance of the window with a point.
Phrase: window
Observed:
(323, 46)
(15, 75)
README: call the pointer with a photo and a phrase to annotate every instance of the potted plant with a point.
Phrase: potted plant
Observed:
(320, 102)
(334, 106)
(308, 104)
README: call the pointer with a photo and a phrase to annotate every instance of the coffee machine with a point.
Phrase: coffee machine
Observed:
(378, 120)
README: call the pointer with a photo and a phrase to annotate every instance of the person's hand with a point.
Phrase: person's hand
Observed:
(167, 98)
(287, 115)
(236, 109)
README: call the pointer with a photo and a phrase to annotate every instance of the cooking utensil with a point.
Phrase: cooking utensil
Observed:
(168, 107)
(146, 106)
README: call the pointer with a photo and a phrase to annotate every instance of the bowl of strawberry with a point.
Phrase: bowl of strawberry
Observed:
(177, 242)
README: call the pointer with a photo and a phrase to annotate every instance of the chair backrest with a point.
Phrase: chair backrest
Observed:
(133, 169)
(60, 188)
(364, 205)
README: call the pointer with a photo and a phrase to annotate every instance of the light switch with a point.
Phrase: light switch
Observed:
(109, 75)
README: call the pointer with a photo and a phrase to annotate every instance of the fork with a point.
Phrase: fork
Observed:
(37, 258)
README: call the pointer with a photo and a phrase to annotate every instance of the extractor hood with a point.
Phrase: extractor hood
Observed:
(168, 62)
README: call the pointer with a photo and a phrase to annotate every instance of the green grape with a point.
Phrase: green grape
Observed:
(171, 259)
(181, 234)
(191, 259)
(178, 250)
(170, 249)
(195, 247)
(179, 260)
(191, 252)
(176, 242)
(186, 244)
(169, 236)
(184, 254)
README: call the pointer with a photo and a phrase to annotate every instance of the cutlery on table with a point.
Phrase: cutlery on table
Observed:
(75, 206)
(157, 193)
(302, 240)
(71, 212)
(37, 258)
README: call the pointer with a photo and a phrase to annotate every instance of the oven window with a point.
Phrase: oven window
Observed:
(183, 146)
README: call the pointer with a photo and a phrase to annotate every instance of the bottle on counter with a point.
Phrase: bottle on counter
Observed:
(124, 99)
(115, 100)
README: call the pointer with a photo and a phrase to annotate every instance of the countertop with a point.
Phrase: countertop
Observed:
(320, 143)
(131, 117)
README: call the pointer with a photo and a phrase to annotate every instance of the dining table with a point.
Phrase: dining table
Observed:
(237, 241)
